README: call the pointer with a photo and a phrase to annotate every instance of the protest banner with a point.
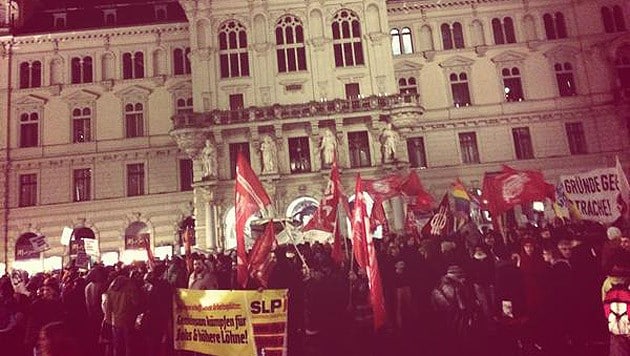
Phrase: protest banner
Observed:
(595, 194)
(39, 243)
(229, 322)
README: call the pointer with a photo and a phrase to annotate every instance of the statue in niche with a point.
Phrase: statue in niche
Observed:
(389, 139)
(328, 147)
(209, 160)
(269, 153)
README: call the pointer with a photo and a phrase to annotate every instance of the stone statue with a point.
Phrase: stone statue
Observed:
(328, 147)
(269, 155)
(389, 139)
(209, 160)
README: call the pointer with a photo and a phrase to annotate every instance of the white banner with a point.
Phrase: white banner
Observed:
(91, 247)
(596, 194)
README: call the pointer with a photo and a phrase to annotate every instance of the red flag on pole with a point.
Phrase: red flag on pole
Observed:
(250, 198)
(511, 187)
(365, 254)
(259, 257)
(419, 199)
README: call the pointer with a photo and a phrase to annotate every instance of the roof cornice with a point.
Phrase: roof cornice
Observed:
(423, 5)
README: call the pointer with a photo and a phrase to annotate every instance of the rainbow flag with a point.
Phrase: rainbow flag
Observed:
(460, 196)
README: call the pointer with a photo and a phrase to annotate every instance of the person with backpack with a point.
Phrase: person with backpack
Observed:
(616, 300)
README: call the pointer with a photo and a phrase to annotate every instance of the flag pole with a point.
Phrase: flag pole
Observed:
(290, 233)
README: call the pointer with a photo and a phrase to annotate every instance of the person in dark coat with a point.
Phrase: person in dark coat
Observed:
(47, 308)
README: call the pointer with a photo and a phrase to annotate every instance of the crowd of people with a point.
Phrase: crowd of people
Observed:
(534, 291)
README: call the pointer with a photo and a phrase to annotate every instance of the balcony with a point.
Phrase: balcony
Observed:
(391, 104)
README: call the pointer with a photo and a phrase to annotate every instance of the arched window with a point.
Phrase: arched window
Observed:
(407, 40)
(81, 69)
(133, 65)
(503, 31)
(622, 64)
(184, 105)
(29, 129)
(607, 18)
(555, 26)
(613, 19)
(290, 50)
(512, 86)
(565, 79)
(452, 35)
(459, 89)
(620, 22)
(134, 120)
(347, 44)
(31, 74)
(233, 55)
(396, 43)
(81, 125)
(181, 63)
(407, 86)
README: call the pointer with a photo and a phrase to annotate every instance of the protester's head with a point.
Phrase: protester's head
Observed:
(624, 242)
(50, 289)
(57, 339)
(399, 267)
(479, 253)
(564, 246)
(198, 265)
(613, 233)
(6, 288)
(528, 246)
(456, 272)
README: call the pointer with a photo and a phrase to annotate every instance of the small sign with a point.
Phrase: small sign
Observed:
(91, 247)
(66, 234)
(39, 243)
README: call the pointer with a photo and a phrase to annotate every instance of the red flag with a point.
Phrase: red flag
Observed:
(420, 199)
(411, 224)
(337, 253)
(360, 226)
(150, 256)
(260, 256)
(365, 253)
(440, 223)
(511, 187)
(251, 198)
(384, 188)
(325, 216)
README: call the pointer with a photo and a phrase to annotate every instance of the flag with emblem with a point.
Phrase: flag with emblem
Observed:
(440, 224)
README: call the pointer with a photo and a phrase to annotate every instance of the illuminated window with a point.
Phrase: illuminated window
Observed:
(512, 87)
(81, 125)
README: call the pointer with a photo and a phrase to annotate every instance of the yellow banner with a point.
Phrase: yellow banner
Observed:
(224, 322)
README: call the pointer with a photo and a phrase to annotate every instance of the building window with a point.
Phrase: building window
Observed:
(134, 120)
(522, 143)
(31, 74)
(512, 87)
(160, 12)
(347, 44)
(468, 146)
(235, 148)
(181, 62)
(623, 68)
(184, 105)
(28, 190)
(81, 125)
(613, 19)
(82, 183)
(576, 138)
(233, 55)
(503, 31)
(290, 51)
(109, 17)
(81, 70)
(133, 65)
(299, 155)
(29, 129)
(407, 86)
(135, 179)
(359, 149)
(555, 26)
(236, 102)
(416, 152)
(402, 42)
(564, 78)
(185, 175)
(452, 35)
(353, 91)
(59, 21)
(459, 89)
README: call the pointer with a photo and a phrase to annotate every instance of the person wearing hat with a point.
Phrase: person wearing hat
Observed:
(608, 249)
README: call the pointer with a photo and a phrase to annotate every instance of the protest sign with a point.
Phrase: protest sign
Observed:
(595, 194)
(228, 322)
(39, 243)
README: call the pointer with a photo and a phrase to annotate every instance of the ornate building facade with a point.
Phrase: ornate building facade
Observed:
(124, 120)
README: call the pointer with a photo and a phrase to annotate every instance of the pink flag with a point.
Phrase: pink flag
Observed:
(251, 198)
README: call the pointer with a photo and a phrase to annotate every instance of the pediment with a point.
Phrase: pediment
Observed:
(134, 91)
(562, 52)
(31, 100)
(457, 61)
(509, 56)
(82, 96)
(407, 66)
(180, 86)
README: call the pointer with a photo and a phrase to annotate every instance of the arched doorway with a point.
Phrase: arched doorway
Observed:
(27, 258)
(302, 209)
